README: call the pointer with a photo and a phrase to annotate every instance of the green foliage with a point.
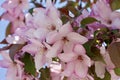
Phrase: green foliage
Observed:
(64, 19)
(86, 21)
(8, 29)
(92, 51)
(117, 71)
(14, 49)
(115, 4)
(75, 28)
(31, 10)
(29, 65)
(45, 74)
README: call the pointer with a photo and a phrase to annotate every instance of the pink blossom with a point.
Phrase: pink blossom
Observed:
(75, 77)
(103, 12)
(47, 21)
(55, 68)
(66, 34)
(49, 18)
(106, 56)
(15, 68)
(38, 50)
(15, 6)
(77, 62)
(113, 75)
(16, 22)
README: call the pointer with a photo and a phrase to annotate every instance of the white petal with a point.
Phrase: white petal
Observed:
(100, 69)
(76, 38)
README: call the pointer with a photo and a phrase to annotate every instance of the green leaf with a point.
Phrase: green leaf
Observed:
(14, 49)
(64, 19)
(96, 54)
(115, 4)
(29, 65)
(88, 46)
(74, 10)
(72, 3)
(87, 20)
(75, 28)
(114, 52)
(117, 71)
(88, 4)
(107, 76)
(8, 29)
(45, 74)
(31, 10)
(92, 51)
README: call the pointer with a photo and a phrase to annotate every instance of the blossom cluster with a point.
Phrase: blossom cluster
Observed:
(42, 47)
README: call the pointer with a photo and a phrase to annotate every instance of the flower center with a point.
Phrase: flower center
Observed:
(65, 39)
(80, 58)
(53, 28)
(20, 1)
(109, 22)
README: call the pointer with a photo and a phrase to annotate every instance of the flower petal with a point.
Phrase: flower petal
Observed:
(67, 57)
(41, 33)
(12, 69)
(69, 69)
(76, 38)
(100, 69)
(86, 60)
(68, 47)
(52, 37)
(39, 60)
(55, 49)
(30, 48)
(79, 49)
(66, 28)
(81, 69)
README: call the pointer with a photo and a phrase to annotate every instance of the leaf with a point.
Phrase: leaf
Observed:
(14, 49)
(88, 46)
(74, 10)
(117, 71)
(92, 51)
(45, 74)
(71, 6)
(8, 29)
(114, 52)
(96, 54)
(88, 4)
(115, 4)
(72, 3)
(75, 28)
(87, 20)
(64, 19)
(29, 65)
(107, 76)
(31, 10)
